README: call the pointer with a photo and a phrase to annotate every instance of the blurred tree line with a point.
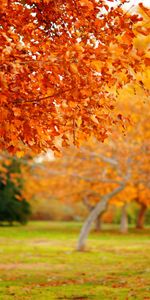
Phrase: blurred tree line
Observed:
(26, 193)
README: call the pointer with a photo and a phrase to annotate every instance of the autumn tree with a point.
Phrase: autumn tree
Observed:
(62, 64)
(106, 173)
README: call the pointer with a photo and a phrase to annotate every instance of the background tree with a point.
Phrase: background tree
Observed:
(93, 171)
(13, 207)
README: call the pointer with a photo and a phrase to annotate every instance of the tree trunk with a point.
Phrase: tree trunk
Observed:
(98, 210)
(141, 216)
(124, 219)
(98, 223)
(90, 207)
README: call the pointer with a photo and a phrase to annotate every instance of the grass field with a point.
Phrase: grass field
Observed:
(38, 262)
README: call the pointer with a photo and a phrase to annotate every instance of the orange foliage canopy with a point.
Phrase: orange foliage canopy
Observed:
(62, 65)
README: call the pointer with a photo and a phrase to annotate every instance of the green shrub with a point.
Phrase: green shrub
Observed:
(13, 208)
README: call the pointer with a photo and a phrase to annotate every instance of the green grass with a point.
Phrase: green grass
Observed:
(38, 262)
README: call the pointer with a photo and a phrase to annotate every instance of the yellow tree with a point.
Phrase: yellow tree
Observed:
(94, 171)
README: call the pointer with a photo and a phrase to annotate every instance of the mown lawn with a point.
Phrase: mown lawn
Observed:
(38, 262)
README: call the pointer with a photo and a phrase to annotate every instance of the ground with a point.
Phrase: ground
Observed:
(39, 262)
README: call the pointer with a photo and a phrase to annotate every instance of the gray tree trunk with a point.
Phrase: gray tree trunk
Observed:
(124, 219)
(90, 207)
(141, 216)
(99, 209)
(98, 223)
